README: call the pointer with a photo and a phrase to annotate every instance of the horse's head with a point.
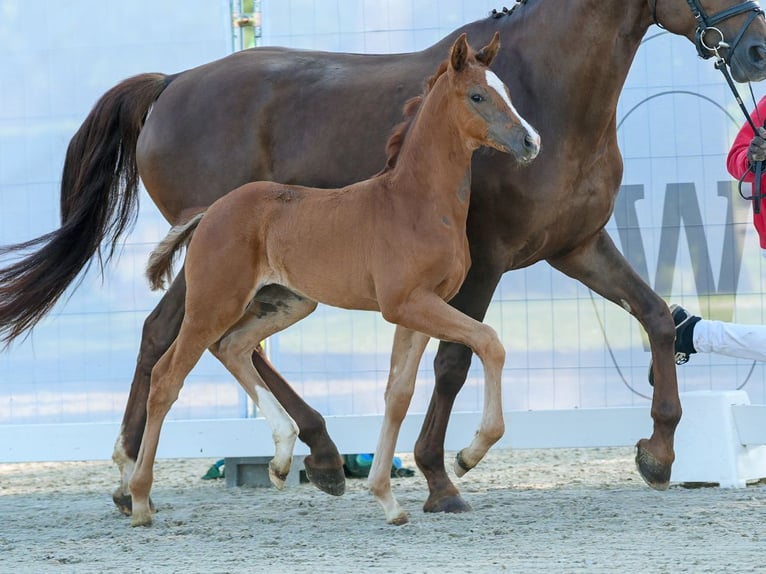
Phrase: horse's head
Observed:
(733, 30)
(486, 111)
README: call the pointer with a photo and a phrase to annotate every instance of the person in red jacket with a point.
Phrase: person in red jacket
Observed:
(695, 334)
(747, 149)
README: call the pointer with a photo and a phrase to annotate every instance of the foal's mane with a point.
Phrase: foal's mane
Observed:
(410, 111)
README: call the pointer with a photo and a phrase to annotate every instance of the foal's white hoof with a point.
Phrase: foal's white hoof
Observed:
(278, 478)
(461, 466)
(399, 520)
(141, 518)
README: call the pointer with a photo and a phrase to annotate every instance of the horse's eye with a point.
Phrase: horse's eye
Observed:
(477, 98)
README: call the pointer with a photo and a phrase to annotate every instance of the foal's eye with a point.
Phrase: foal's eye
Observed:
(477, 98)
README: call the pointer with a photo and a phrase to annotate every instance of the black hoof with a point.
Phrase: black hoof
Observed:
(450, 504)
(124, 503)
(654, 473)
(329, 480)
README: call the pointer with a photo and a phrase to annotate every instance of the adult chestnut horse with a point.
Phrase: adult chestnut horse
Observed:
(394, 243)
(320, 119)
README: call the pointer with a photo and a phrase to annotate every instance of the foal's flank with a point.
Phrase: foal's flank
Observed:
(394, 243)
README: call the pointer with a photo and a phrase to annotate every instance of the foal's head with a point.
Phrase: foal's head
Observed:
(485, 110)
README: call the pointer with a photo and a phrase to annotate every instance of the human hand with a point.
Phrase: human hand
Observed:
(756, 151)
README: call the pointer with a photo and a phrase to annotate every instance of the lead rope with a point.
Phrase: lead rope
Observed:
(720, 64)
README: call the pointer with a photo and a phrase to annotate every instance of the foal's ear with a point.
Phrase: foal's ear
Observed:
(459, 53)
(488, 52)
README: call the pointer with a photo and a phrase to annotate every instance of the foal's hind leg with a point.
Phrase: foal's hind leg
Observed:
(167, 379)
(160, 329)
(600, 266)
(407, 350)
(324, 466)
(235, 351)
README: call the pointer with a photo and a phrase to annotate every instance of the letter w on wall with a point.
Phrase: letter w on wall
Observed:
(681, 209)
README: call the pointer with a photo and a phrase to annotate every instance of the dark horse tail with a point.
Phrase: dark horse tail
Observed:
(99, 202)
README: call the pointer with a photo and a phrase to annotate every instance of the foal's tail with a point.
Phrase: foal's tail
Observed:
(99, 201)
(159, 270)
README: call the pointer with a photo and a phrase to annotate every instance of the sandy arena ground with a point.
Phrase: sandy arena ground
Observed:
(583, 510)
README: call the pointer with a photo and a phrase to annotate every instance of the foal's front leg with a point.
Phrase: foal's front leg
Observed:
(451, 369)
(427, 313)
(407, 350)
(600, 266)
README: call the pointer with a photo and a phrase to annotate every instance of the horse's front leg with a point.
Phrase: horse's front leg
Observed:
(600, 266)
(451, 369)
(160, 330)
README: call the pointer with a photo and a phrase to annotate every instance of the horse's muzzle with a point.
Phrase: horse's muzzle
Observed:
(748, 62)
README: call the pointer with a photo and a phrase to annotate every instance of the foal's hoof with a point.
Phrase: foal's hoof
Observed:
(453, 504)
(655, 473)
(400, 520)
(331, 480)
(141, 520)
(461, 466)
(277, 477)
(124, 502)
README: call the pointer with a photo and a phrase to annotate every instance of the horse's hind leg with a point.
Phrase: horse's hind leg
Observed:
(407, 350)
(235, 350)
(160, 329)
(600, 266)
(324, 466)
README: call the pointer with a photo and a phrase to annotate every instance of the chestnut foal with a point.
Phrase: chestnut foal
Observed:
(395, 243)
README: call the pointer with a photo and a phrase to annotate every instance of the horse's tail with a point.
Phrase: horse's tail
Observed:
(99, 201)
(160, 266)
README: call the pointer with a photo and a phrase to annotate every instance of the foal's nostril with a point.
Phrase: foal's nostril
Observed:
(531, 143)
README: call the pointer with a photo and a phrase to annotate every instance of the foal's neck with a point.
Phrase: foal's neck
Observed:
(435, 154)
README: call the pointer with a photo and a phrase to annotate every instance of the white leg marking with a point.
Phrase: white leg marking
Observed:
(284, 431)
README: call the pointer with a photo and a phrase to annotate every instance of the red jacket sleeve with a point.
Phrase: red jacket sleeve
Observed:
(737, 165)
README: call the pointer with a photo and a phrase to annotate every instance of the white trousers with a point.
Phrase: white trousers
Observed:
(730, 339)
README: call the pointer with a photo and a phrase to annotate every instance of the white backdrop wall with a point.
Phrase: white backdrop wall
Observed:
(676, 122)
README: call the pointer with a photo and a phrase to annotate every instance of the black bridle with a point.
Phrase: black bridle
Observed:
(706, 25)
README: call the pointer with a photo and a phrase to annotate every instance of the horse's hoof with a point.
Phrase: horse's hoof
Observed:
(141, 517)
(329, 480)
(453, 504)
(136, 520)
(277, 478)
(399, 520)
(123, 502)
(655, 473)
(461, 466)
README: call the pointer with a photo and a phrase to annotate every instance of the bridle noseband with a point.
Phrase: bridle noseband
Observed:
(707, 25)
(706, 49)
